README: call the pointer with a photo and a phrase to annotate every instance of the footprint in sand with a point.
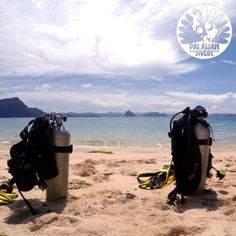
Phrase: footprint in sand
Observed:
(229, 204)
(130, 195)
(52, 219)
(84, 169)
(2, 233)
(115, 197)
(110, 193)
(129, 172)
(71, 198)
(229, 212)
(183, 230)
(43, 221)
(149, 161)
(78, 184)
(101, 178)
(223, 192)
(115, 163)
(110, 197)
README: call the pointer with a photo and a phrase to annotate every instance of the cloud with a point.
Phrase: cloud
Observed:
(201, 97)
(86, 85)
(124, 38)
(224, 61)
(230, 62)
(43, 43)
(115, 37)
(214, 102)
(43, 88)
(104, 99)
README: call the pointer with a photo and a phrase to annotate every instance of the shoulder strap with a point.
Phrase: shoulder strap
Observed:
(185, 111)
(186, 122)
(25, 132)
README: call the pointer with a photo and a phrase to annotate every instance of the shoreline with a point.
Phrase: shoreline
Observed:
(216, 147)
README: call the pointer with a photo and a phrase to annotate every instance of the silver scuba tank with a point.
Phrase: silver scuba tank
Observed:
(202, 133)
(58, 186)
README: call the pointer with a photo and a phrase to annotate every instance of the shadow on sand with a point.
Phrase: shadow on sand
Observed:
(22, 215)
(207, 200)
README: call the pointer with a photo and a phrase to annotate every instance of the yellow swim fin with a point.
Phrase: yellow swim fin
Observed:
(156, 180)
(4, 201)
(8, 195)
(6, 198)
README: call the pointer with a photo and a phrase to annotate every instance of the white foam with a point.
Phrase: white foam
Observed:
(5, 142)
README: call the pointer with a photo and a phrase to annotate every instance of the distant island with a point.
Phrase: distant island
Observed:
(14, 107)
(115, 114)
(129, 114)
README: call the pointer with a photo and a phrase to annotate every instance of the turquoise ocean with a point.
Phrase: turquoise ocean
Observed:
(121, 132)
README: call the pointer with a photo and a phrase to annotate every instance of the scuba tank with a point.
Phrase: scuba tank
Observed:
(58, 186)
(190, 144)
(203, 133)
(191, 155)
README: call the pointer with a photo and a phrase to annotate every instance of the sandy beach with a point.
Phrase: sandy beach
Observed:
(125, 79)
(104, 199)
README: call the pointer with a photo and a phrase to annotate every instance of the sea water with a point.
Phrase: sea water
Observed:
(121, 132)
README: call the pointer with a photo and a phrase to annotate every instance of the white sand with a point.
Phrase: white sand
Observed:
(99, 202)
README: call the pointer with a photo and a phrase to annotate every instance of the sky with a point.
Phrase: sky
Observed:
(110, 56)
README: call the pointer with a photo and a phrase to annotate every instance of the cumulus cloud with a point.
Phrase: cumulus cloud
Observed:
(103, 99)
(87, 85)
(43, 42)
(203, 97)
(214, 102)
(134, 38)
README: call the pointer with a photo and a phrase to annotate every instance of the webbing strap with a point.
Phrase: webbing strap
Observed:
(9, 188)
(204, 141)
(63, 149)
(172, 196)
(146, 175)
(32, 210)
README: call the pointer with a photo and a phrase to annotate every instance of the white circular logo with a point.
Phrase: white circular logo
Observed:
(204, 31)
